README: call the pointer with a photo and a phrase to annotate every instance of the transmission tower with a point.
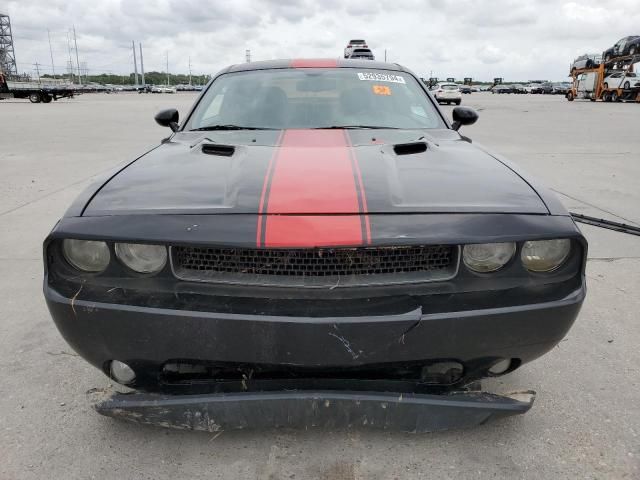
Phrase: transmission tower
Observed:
(7, 55)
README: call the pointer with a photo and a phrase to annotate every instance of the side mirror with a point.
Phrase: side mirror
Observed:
(168, 118)
(463, 116)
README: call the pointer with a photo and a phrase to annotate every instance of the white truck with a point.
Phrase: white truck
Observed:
(586, 85)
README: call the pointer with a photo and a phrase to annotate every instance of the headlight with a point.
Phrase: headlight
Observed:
(488, 257)
(86, 255)
(545, 255)
(142, 258)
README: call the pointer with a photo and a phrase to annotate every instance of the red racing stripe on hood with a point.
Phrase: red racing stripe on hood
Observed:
(314, 63)
(314, 196)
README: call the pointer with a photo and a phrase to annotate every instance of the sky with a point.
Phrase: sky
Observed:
(513, 39)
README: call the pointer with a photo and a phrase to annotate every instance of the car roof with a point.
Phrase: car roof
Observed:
(314, 63)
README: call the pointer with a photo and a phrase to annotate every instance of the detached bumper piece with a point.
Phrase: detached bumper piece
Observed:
(415, 413)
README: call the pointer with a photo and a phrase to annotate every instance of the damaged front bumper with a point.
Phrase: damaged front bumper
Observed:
(407, 412)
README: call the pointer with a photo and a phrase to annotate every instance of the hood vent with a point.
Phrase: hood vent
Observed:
(410, 148)
(219, 150)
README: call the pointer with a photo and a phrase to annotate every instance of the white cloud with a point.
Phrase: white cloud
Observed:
(490, 54)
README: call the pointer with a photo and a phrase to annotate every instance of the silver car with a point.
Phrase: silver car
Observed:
(586, 61)
(447, 93)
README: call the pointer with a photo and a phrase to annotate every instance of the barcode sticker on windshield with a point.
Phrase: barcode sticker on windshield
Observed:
(381, 77)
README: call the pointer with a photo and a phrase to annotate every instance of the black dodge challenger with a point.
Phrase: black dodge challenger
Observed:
(314, 244)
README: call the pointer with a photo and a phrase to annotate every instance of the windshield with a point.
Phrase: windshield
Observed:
(315, 98)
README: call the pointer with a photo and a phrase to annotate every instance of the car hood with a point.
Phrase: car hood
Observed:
(315, 172)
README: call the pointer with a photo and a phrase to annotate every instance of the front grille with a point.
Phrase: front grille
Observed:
(315, 267)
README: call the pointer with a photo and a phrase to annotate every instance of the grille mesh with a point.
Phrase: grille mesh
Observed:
(200, 262)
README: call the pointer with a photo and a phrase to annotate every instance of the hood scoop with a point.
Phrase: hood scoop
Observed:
(219, 150)
(410, 148)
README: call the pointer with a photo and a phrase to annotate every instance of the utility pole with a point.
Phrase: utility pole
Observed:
(167, 68)
(53, 67)
(142, 66)
(37, 70)
(135, 64)
(248, 56)
(70, 64)
(385, 54)
(75, 41)
(189, 70)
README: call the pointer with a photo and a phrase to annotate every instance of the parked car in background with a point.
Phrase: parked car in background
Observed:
(163, 89)
(502, 89)
(625, 46)
(546, 87)
(530, 87)
(622, 79)
(561, 88)
(362, 53)
(465, 89)
(352, 45)
(585, 61)
(447, 93)
(518, 88)
(535, 88)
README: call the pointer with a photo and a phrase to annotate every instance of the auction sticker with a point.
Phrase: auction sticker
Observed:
(380, 77)
(381, 89)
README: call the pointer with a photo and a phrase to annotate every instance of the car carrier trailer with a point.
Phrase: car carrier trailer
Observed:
(36, 92)
(589, 83)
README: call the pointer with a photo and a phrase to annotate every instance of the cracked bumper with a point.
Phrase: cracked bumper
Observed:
(315, 409)
(146, 338)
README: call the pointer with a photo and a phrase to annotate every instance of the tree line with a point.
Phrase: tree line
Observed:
(150, 78)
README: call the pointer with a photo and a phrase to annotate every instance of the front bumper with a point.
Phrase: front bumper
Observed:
(308, 349)
(315, 409)
(448, 98)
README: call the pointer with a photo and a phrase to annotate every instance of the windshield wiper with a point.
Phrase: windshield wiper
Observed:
(227, 127)
(355, 127)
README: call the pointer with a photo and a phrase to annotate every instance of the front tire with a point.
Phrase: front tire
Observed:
(614, 96)
(570, 96)
(46, 98)
(458, 102)
(35, 98)
(627, 85)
